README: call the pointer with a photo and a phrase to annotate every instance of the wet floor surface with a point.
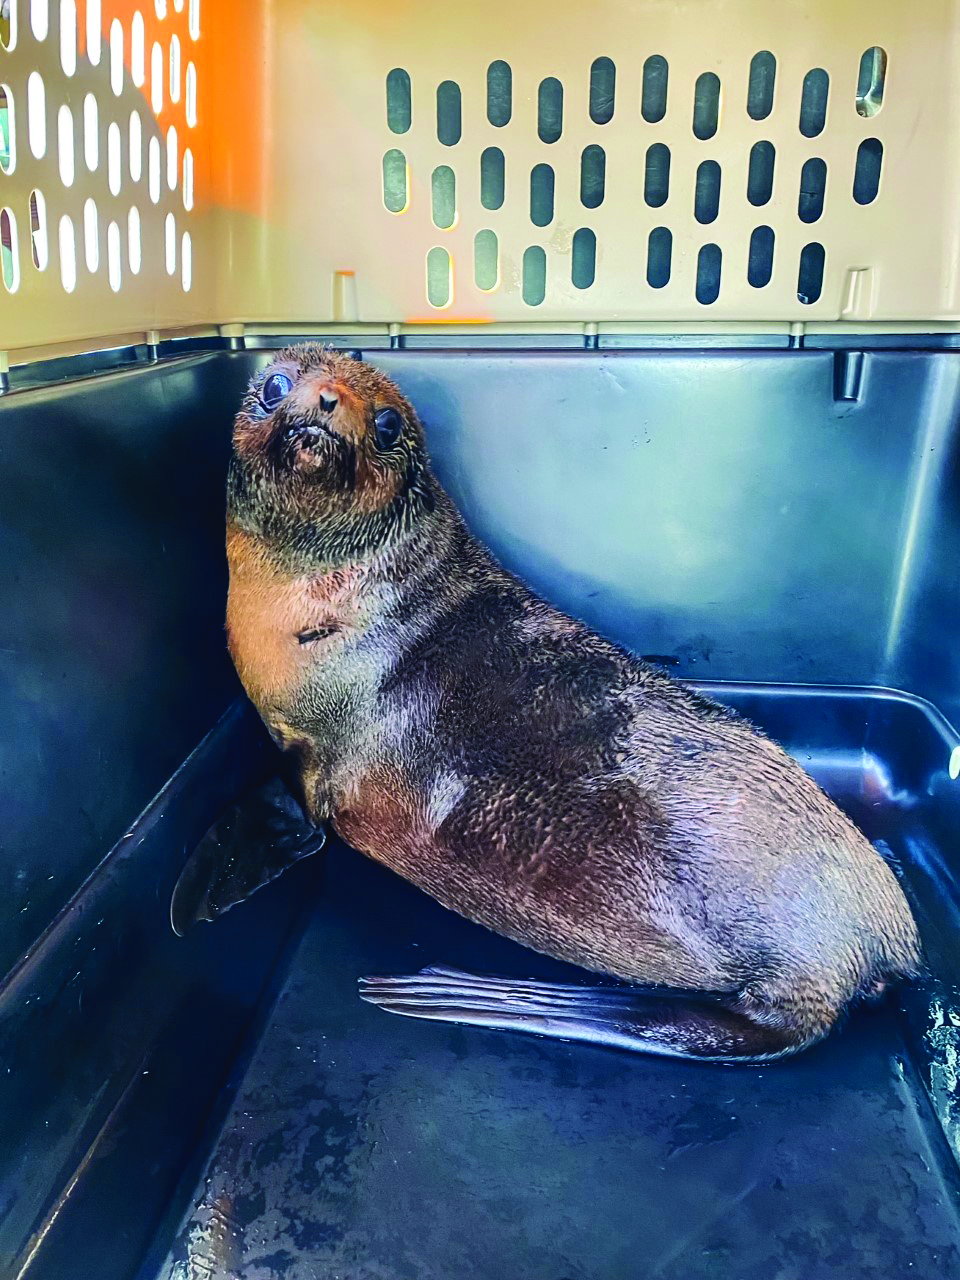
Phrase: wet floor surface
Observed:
(363, 1146)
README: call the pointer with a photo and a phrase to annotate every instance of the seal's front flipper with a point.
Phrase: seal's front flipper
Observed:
(247, 847)
(677, 1024)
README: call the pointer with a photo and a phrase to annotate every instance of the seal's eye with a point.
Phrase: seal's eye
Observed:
(388, 424)
(275, 389)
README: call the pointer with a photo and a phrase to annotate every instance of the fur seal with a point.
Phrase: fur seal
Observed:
(521, 769)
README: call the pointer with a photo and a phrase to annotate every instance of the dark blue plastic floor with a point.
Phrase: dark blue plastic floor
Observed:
(363, 1146)
(366, 1147)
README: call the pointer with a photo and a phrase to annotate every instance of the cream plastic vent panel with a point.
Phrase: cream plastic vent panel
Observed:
(91, 240)
(670, 162)
(404, 210)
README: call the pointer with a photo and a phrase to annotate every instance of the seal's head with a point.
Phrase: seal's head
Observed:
(329, 459)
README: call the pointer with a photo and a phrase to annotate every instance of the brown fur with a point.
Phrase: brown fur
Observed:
(523, 770)
(269, 608)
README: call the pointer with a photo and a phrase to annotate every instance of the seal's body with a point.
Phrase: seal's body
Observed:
(521, 769)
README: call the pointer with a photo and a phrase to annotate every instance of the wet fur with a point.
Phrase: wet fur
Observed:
(526, 772)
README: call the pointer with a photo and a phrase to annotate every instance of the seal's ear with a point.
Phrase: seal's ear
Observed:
(248, 846)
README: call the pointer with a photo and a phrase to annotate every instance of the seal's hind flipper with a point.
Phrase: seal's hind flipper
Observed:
(248, 846)
(679, 1024)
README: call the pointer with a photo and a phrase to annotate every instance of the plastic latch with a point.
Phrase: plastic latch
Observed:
(848, 368)
(345, 306)
(858, 294)
(234, 334)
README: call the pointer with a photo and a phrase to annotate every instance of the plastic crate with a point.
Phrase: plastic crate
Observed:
(304, 163)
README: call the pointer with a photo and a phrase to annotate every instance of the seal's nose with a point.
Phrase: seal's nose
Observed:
(328, 403)
(321, 395)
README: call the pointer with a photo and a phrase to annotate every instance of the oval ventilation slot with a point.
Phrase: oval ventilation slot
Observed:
(116, 57)
(9, 251)
(398, 101)
(444, 197)
(760, 262)
(656, 175)
(395, 181)
(583, 268)
(114, 262)
(91, 235)
(37, 115)
(8, 131)
(68, 36)
(708, 274)
(763, 76)
(810, 278)
(170, 243)
(593, 166)
(156, 79)
(186, 262)
(534, 275)
(172, 158)
(491, 178)
(813, 102)
(486, 266)
(91, 132)
(448, 113)
(188, 179)
(871, 81)
(541, 195)
(706, 106)
(93, 25)
(550, 110)
(174, 68)
(866, 175)
(439, 278)
(706, 203)
(134, 246)
(114, 159)
(68, 255)
(65, 152)
(659, 256)
(191, 95)
(153, 169)
(499, 94)
(39, 241)
(136, 147)
(760, 173)
(603, 83)
(8, 28)
(138, 50)
(39, 18)
(653, 99)
(813, 185)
